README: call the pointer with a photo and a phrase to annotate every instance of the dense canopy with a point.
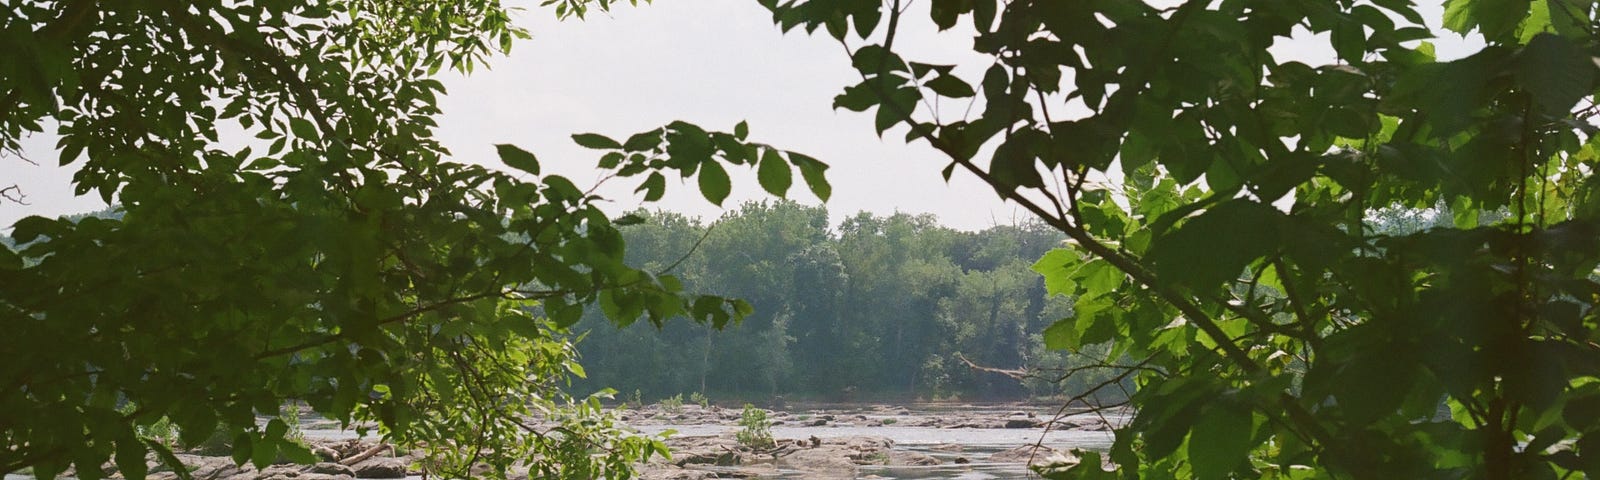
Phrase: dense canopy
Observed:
(1219, 201)
(289, 230)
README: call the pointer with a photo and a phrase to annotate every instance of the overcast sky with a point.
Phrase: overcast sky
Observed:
(709, 62)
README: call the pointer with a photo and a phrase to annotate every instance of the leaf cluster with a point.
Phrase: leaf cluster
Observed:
(1217, 199)
(291, 230)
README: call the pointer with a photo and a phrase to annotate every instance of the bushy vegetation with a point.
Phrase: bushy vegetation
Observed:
(755, 431)
(879, 307)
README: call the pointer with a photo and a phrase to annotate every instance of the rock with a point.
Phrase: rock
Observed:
(818, 422)
(325, 453)
(947, 447)
(381, 467)
(288, 472)
(675, 473)
(961, 460)
(1021, 423)
(330, 468)
(838, 457)
(1087, 423)
(904, 458)
(827, 460)
(202, 468)
(1034, 455)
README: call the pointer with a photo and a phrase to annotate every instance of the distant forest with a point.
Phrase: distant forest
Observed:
(883, 307)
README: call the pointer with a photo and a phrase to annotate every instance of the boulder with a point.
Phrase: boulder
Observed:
(827, 460)
(908, 458)
(288, 472)
(330, 468)
(381, 467)
(1021, 422)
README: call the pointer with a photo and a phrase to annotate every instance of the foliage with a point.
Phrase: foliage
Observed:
(1272, 332)
(755, 430)
(290, 229)
(700, 399)
(162, 431)
(886, 305)
(672, 404)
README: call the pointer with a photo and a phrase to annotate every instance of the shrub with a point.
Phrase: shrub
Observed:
(757, 431)
(673, 404)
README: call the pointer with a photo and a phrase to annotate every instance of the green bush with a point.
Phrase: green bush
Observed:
(673, 404)
(757, 431)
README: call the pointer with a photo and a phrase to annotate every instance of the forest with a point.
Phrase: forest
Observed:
(881, 307)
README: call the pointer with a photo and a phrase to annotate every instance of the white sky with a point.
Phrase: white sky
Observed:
(709, 62)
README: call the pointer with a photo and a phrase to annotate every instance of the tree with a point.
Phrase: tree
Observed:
(1216, 198)
(292, 231)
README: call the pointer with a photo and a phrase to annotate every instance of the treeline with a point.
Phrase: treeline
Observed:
(882, 307)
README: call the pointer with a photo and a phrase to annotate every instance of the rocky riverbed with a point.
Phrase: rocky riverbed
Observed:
(872, 441)
(839, 442)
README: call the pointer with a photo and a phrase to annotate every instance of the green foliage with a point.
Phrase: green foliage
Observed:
(755, 431)
(672, 404)
(880, 307)
(160, 431)
(700, 399)
(291, 230)
(1270, 330)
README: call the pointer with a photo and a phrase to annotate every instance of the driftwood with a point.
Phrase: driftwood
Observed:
(363, 456)
(1019, 374)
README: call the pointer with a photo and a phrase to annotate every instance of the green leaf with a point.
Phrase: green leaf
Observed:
(813, 172)
(596, 141)
(264, 452)
(1061, 335)
(1349, 40)
(774, 173)
(946, 12)
(741, 130)
(1215, 246)
(1056, 266)
(643, 141)
(1555, 73)
(243, 446)
(870, 58)
(130, 458)
(297, 453)
(950, 86)
(653, 187)
(1220, 440)
(714, 183)
(518, 158)
(172, 462)
(856, 98)
(626, 220)
(303, 128)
